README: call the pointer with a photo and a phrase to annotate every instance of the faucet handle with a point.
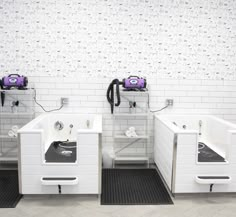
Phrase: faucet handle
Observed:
(200, 123)
(58, 125)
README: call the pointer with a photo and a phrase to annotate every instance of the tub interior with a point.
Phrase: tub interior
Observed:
(66, 151)
(212, 135)
(61, 152)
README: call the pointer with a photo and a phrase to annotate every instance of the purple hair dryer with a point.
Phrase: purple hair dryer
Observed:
(14, 81)
(134, 83)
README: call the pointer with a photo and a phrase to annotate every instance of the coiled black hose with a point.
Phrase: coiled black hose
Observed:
(110, 93)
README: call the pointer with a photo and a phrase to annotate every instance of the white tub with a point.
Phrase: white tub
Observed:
(176, 153)
(80, 176)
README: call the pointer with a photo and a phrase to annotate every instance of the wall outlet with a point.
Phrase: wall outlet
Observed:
(64, 101)
(169, 102)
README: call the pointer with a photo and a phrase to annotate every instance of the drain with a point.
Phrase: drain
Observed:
(201, 145)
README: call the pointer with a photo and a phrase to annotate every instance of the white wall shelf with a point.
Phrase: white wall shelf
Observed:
(7, 137)
(8, 158)
(131, 114)
(17, 110)
(126, 137)
(132, 158)
(125, 116)
(16, 90)
(16, 114)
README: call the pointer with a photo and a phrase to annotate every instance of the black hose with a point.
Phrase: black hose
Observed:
(117, 92)
(2, 98)
(110, 94)
(59, 189)
(211, 186)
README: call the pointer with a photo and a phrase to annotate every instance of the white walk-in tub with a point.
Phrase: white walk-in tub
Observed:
(60, 153)
(196, 153)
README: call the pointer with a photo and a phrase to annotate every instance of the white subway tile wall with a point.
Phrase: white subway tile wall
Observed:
(199, 99)
(186, 49)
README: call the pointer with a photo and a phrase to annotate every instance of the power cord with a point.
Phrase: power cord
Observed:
(158, 110)
(35, 100)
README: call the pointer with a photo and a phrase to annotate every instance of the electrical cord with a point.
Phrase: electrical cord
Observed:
(35, 100)
(158, 110)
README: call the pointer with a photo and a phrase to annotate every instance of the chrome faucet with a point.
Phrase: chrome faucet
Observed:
(71, 126)
(58, 125)
(200, 127)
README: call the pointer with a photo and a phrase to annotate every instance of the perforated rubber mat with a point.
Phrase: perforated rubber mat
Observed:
(9, 191)
(133, 187)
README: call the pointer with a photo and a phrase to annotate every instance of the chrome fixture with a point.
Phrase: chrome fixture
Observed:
(14, 104)
(71, 126)
(88, 123)
(174, 123)
(200, 127)
(184, 126)
(58, 125)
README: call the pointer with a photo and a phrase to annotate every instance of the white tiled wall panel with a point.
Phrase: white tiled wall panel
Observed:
(202, 97)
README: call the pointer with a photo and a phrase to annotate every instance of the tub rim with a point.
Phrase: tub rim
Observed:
(97, 123)
(165, 118)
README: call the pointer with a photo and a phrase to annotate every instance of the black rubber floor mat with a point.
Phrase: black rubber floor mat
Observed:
(9, 191)
(133, 187)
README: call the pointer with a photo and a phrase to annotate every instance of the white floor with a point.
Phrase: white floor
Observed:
(213, 205)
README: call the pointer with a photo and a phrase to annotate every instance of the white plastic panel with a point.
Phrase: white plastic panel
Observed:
(163, 150)
(187, 166)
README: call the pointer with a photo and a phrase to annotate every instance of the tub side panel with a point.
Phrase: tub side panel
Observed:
(163, 150)
(186, 162)
(87, 170)
(88, 155)
(30, 154)
(187, 168)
